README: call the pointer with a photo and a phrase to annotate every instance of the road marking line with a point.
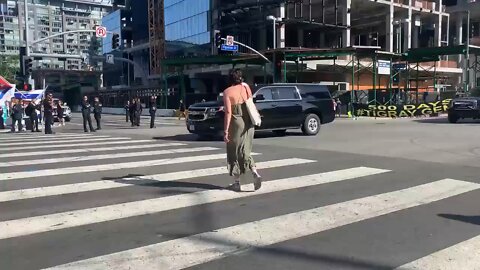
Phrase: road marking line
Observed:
(108, 167)
(205, 247)
(91, 150)
(464, 255)
(38, 224)
(61, 141)
(76, 144)
(45, 137)
(100, 185)
(108, 156)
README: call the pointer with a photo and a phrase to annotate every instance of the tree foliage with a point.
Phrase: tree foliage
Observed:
(9, 66)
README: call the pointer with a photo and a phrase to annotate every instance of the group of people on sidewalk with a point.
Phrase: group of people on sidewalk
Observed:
(87, 109)
(35, 111)
(134, 109)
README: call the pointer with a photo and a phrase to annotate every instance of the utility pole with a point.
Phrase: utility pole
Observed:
(27, 38)
(467, 56)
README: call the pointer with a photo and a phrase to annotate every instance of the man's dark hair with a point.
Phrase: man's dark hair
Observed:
(236, 77)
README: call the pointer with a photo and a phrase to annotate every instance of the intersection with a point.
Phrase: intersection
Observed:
(139, 198)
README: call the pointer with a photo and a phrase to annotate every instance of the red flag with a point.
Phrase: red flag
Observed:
(4, 84)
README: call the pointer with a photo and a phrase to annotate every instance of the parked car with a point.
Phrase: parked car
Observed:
(281, 106)
(66, 111)
(464, 107)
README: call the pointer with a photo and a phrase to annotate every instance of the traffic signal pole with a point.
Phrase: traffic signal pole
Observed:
(27, 39)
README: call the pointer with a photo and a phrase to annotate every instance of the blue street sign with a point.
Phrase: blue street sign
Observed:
(230, 48)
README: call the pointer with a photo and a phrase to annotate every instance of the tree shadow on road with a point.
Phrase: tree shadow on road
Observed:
(467, 219)
(236, 247)
(444, 121)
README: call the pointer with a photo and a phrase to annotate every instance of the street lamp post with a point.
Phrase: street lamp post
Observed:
(274, 19)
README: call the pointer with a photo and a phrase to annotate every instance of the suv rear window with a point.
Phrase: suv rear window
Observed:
(317, 95)
(282, 93)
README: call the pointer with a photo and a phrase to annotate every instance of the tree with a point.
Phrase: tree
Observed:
(9, 67)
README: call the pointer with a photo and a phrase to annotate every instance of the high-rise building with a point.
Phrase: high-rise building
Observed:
(47, 18)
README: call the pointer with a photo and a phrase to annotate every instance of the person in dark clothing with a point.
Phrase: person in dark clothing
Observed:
(60, 113)
(31, 112)
(86, 110)
(181, 110)
(138, 111)
(97, 112)
(17, 115)
(2, 124)
(153, 110)
(127, 110)
(48, 113)
(131, 111)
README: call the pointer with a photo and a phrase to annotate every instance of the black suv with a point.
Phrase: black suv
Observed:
(281, 106)
(464, 107)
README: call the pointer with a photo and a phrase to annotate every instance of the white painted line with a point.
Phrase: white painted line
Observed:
(205, 247)
(464, 255)
(32, 225)
(91, 150)
(108, 156)
(108, 167)
(75, 145)
(45, 137)
(101, 185)
(62, 141)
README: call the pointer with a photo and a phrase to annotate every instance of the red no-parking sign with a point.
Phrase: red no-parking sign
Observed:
(101, 31)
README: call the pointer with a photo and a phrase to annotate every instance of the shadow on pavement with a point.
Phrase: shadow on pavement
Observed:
(338, 261)
(187, 137)
(467, 219)
(445, 121)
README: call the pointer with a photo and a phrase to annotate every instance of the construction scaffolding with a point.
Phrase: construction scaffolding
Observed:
(156, 29)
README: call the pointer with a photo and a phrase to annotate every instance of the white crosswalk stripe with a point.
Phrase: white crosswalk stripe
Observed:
(7, 145)
(91, 150)
(122, 141)
(44, 138)
(99, 185)
(37, 175)
(197, 249)
(108, 156)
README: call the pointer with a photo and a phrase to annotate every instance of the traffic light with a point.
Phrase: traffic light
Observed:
(218, 39)
(115, 41)
(27, 87)
(27, 65)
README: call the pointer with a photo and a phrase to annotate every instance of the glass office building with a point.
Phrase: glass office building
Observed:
(187, 29)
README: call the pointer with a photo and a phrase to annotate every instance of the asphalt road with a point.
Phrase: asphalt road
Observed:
(364, 194)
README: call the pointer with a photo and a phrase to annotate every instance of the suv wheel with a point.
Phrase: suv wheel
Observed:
(311, 125)
(452, 118)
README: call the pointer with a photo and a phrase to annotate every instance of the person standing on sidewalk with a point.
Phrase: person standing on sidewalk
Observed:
(2, 123)
(48, 113)
(127, 110)
(97, 112)
(181, 109)
(131, 111)
(152, 110)
(17, 115)
(31, 112)
(60, 113)
(138, 111)
(86, 110)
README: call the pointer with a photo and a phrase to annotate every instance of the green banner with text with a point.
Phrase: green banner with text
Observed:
(407, 110)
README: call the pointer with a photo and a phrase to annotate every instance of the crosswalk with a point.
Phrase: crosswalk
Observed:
(176, 184)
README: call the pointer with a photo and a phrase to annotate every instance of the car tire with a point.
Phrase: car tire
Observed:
(311, 125)
(280, 132)
(452, 118)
